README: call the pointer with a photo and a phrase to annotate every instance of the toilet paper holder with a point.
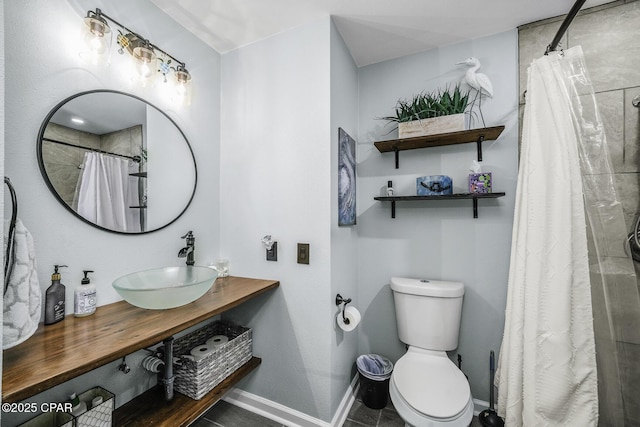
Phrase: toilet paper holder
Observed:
(344, 301)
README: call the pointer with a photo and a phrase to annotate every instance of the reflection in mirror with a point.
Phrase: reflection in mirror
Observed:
(117, 162)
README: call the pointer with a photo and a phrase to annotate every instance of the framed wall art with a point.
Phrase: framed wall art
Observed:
(346, 179)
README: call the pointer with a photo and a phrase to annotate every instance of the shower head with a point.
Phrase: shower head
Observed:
(636, 101)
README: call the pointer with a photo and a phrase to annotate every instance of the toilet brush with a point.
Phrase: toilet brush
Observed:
(489, 417)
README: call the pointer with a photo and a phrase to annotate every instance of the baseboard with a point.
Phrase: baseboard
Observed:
(346, 403)
(287, 416)
(290, 417)
(479, 406)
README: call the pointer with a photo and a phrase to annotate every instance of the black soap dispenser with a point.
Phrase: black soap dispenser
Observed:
(55, 297)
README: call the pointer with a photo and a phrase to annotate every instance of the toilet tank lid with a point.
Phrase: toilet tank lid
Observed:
(432, 288)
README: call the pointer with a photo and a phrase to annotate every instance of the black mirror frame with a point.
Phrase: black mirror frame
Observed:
(63, 203)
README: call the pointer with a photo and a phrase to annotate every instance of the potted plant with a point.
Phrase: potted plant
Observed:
(430, 113)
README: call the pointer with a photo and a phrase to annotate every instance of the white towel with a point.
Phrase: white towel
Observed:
(23, 299)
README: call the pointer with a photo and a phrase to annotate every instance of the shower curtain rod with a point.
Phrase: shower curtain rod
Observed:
(134, 158)
(565, 26)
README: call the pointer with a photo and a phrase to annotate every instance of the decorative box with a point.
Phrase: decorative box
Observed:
(480, 182)
(434, 185)
(432, 126)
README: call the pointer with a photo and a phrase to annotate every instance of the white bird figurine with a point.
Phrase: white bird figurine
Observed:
(478, 81)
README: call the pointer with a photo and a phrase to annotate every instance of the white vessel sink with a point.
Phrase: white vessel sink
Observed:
(164, 288)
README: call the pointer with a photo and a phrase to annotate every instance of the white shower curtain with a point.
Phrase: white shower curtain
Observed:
(105, 193)
(546, 372)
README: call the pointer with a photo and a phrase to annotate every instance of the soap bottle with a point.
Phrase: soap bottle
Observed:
(389, 188)
(55, 296)
(84, 301)
(78, 407)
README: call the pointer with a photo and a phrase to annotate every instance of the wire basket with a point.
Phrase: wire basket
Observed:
(50, 419)
(195, 378)
(99, 415)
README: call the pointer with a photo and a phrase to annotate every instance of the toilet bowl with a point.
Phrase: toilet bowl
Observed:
(428, 390)
(426, 387)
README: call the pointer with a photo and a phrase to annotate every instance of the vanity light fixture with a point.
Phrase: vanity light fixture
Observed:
(148, 59)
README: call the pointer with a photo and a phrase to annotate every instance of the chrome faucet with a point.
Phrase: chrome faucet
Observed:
(188, 251)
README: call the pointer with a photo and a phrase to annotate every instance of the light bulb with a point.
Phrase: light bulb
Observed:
(96, 44)
(181, 90)
(183, 85)
(145, 71)
(145, 61)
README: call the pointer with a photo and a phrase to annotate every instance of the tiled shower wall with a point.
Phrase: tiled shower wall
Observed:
(63, 162)
(610, 38)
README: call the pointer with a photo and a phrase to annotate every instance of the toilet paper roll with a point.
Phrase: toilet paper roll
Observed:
(353, 319)
(201, 351)
(152, 364)
(217, 341)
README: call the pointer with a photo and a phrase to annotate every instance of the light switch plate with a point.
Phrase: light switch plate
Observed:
(303, 253)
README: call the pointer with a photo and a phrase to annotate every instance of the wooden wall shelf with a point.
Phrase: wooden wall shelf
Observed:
(451, 138)
(76, 345)
(459, 196)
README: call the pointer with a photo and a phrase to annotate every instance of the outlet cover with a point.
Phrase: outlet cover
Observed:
(303, 253)
(272, 254)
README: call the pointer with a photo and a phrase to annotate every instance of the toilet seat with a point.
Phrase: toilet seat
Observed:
(413, 418)
(430, 383)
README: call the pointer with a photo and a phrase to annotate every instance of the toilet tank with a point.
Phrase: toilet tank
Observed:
(428, 312)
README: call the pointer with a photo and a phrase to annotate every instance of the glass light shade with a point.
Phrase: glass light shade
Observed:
(183, 85)
(145, 62)
(96, 37)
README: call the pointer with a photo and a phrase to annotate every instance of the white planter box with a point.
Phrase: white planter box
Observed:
(443, 124)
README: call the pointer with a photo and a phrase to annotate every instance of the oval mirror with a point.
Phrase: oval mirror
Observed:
(117, 162)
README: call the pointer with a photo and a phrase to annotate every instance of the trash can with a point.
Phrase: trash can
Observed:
(375, 372)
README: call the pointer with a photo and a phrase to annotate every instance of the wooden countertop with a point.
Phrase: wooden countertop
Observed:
(76, 345)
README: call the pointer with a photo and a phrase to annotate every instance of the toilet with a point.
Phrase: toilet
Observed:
(426, 387)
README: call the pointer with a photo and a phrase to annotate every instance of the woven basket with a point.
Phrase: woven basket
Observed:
(195, 378)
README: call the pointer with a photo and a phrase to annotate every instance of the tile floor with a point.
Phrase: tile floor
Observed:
(224, 414)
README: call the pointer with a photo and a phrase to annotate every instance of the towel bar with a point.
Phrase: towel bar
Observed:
(10, 254)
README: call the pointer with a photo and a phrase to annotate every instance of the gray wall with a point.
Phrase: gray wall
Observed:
(49, 29)
(275, 179)
(437, 240)
(344, 240)
(609, 39)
